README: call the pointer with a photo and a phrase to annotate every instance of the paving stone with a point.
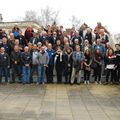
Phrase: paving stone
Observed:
(59, 102)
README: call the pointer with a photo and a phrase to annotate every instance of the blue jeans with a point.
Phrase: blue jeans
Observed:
(26, 74)
(41, 73)
(3, 70)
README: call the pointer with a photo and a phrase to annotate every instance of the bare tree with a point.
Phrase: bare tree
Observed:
(31, 15)
(49, 16)
(45, 16)
(75, 21)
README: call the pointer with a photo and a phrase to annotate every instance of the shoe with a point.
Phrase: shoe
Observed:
(100, 82)
(71, 83)
(37, 83)
(96, 82)
(85, 82)
(43, 83)
(88, 82)
(6, 83)
(105, 83)
(111, 83)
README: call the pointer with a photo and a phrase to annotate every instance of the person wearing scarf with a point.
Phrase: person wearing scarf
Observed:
(58, 62)
(68, 65)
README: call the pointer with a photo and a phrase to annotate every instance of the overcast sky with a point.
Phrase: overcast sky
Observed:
(89, 11)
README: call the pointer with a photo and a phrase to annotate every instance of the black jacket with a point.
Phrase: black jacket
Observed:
(117, 53)
(26, 58)
(36, 40)
(4, 60)
(15, 56)
(89, 37)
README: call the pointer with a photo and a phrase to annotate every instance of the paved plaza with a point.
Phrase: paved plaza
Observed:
(59, 102)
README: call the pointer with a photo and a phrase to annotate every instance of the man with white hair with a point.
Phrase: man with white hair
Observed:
(43, 37)
(76, 42)
(77, 36)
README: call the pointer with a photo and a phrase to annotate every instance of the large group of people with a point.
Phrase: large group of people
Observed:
(51, 54)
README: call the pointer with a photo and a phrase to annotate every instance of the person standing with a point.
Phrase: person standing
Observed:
(49, 70)
(16, 63)
(117, 53)
(68, 64)
(111, 66)
(78, 58)
(26, 60)
(34, 64)
(43, 60)
(86, 66)
(58, 61)
(4, 64)
(98, 58)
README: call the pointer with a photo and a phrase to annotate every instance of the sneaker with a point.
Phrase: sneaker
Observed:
(37, 83)
(43, 83)
(85, 82)
(100, 82)
(88, 82)
(96, 82)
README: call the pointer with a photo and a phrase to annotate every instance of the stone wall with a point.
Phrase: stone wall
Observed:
(7, 26)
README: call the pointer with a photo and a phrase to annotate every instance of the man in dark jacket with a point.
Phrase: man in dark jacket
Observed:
(117, 53)
(49, 70)
(34, 39)
(26, 60)
(4, 64)
(50, 38)
(16, 63)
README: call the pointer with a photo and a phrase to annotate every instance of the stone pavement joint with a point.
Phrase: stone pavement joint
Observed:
(59, 102)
